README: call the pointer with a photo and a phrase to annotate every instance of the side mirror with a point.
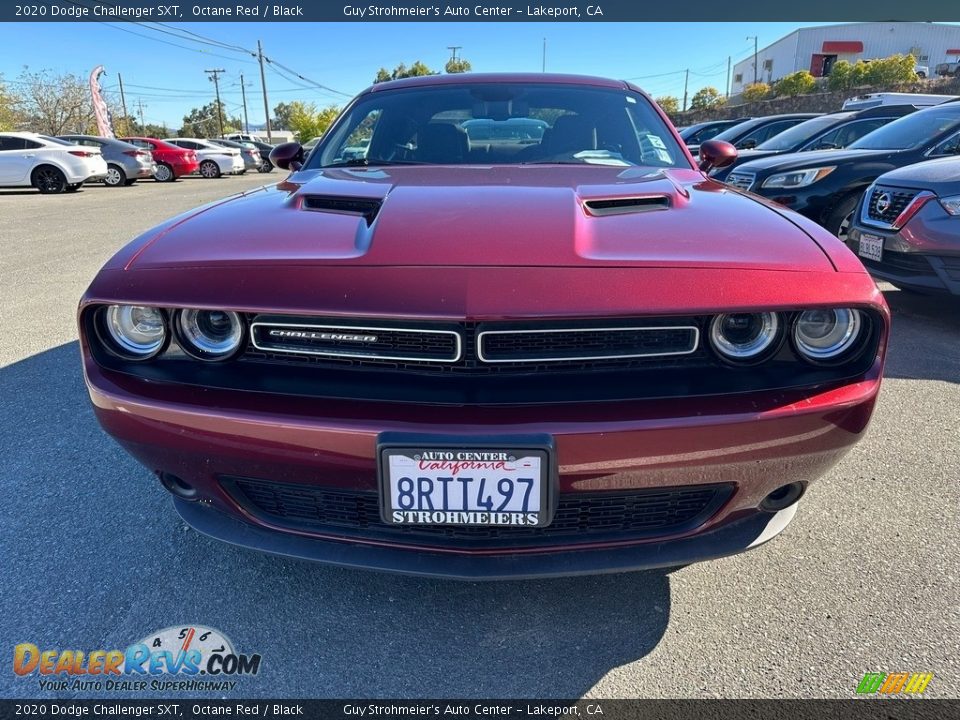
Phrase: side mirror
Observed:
(288, 156)
(716, 154)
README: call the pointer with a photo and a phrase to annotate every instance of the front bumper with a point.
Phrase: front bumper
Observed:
(923, 255)
(754, 444)
(730, 539)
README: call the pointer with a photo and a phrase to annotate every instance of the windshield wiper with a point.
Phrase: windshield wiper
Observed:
(365, 162)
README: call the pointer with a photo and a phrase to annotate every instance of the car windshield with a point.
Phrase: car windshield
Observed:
(800, 134)
(496, 124)
(909, 132)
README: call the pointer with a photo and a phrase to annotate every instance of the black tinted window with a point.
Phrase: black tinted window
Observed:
(500, 124)
(12, 143)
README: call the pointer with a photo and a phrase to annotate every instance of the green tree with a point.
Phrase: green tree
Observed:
(402, 71)
(54, 104)
(458, 66)
(706, 98)
(755, 92)
(281, 116)
(889, 71)
(308, 122)
(668, 103)
(798, 83)
(10, 104)
(204, 122)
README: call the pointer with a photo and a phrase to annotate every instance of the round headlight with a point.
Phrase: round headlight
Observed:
(826, 334)
(210, 334)
(744, 337)
(138, 332)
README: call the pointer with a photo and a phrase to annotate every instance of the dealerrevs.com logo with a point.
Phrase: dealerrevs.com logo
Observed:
(200, 658)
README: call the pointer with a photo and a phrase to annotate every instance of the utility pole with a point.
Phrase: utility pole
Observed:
(215, 77)
(123, 103)
(243, 92)
(544, 68)
(756, 69)
(143, 124)
(453, 51)
(263, 85)
(686, 82)
(729, 65)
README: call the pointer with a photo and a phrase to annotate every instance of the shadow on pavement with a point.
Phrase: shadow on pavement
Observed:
(924, 337)
(97, 558)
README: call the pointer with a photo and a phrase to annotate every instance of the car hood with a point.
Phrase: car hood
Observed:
(941, 175)
(472, 216)
(809, 159)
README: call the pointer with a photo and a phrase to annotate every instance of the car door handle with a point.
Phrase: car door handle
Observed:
(29, 156)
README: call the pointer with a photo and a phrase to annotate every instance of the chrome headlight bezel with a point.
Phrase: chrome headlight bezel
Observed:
(764, 346)
(194, 340)
(847, 345)
(109, 324)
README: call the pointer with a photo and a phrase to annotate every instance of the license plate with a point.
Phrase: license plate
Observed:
(465, 486)
(871, 247)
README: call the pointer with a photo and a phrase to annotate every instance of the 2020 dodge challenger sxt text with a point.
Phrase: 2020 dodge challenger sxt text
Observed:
(520, 356)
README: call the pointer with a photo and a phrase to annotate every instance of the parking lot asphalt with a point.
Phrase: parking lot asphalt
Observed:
(93, 555)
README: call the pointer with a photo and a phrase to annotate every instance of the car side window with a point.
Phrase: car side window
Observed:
(31, 144)
(950, 146)
(766, 132)
(12, 143)
(845, 134)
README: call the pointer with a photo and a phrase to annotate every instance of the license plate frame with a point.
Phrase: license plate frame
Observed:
(870, 246)
(539, 446)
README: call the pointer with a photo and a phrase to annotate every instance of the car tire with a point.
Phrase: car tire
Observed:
(265, 167)
(116, 177)
(209, 169)
(48, 180)
(841, 217)
(164, 173)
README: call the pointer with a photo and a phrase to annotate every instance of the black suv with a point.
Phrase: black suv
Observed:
(836, 130)
(826, 186)
(751, 133)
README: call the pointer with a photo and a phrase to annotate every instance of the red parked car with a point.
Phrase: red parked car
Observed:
(172, 162)
(514, 356)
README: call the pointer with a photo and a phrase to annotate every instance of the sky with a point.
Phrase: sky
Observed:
(166, 72)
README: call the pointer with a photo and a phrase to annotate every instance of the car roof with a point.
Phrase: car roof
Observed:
(19, 133)
(481, 78)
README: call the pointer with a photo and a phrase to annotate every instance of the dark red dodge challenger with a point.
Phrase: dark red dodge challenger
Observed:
(495, 326)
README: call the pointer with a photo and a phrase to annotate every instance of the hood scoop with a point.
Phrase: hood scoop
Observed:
(624, 206)
(367, 208)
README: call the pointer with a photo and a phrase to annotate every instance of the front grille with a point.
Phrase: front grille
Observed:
(586, 344)
(901, 263)
(741, 180)
(580, 517)
(507, 348)
(351, 341)
(885, 204)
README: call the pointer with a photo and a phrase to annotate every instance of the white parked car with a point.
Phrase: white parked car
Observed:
(46, 163)
(215, 160)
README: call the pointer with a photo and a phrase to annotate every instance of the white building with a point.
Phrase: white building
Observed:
(817, 48)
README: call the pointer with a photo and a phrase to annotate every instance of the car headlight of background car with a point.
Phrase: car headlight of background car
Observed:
(951, 204)
(798, 178)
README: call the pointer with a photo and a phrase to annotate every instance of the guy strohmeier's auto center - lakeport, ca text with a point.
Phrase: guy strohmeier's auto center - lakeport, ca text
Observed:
(278, 11)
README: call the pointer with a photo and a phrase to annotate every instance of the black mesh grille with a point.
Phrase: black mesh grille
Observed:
(886, 204)
(583, 517)
(521, 345)
(416, 344)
